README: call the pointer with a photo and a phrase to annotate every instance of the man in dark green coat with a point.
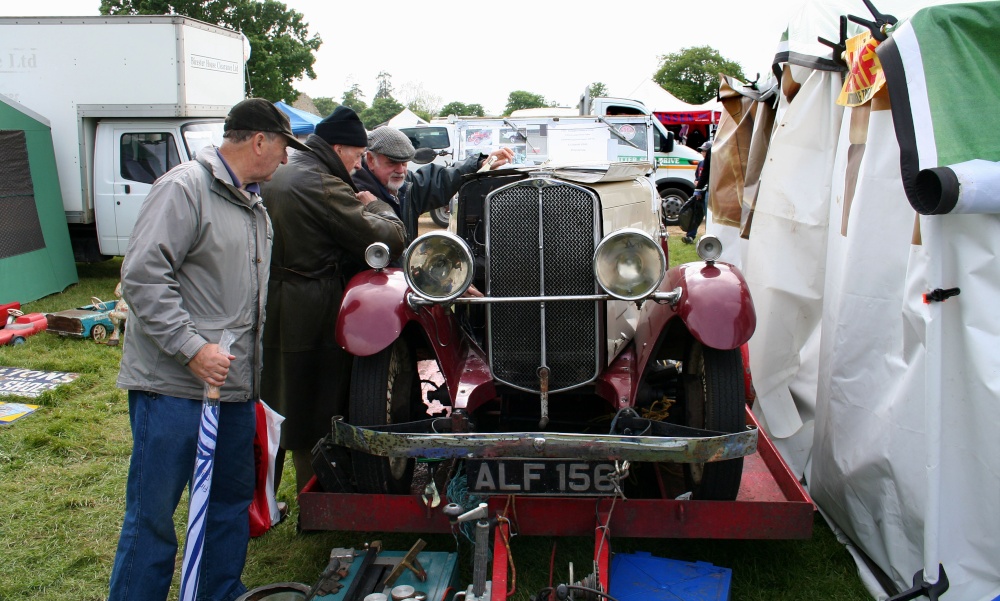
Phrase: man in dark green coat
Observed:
(322, 226)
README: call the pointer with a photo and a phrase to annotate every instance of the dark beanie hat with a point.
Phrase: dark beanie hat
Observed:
(343, 127)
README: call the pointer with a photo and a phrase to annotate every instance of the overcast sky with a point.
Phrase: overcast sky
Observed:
(478, 52)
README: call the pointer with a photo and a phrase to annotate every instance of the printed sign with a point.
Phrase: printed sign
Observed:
(30, 383)
(10, 412)
(214, 64)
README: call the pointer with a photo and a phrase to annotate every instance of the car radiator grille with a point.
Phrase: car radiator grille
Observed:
(540, 242)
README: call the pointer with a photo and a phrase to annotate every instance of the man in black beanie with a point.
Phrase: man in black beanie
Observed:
(322, 226)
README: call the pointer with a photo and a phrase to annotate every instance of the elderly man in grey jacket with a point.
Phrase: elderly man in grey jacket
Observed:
(197, 264)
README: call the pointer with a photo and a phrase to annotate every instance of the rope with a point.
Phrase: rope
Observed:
(458, 492)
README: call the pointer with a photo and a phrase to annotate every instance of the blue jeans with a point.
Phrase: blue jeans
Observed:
(693, 232)
(164, 441)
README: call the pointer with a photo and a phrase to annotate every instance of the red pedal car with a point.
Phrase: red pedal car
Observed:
(18, 326)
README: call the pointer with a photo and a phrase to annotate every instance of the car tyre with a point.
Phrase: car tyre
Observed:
(17, 341)
(671, 200)
(714, 399)
(441, 215)
(99, 333)
(384, 390)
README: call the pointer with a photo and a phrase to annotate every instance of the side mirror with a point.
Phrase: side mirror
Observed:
(668, 143)
(424, 155)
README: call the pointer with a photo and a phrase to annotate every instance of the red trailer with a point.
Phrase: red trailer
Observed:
(771, 504)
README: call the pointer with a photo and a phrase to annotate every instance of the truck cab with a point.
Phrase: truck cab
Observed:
(129, 155)
(675, 163)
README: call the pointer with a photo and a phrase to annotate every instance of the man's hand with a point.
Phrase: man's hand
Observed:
(502, 156)
(472, 292)
(365, 197)
(210, 365)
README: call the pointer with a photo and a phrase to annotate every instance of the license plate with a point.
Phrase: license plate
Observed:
(539, 477)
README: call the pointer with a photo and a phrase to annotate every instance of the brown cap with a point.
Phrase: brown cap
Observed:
(257, 114)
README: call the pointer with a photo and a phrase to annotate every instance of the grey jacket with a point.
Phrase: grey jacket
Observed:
(197, 263)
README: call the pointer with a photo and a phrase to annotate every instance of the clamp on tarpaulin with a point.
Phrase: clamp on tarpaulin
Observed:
(922, 588)
(839, 48)
(939, 295)
(879, 25)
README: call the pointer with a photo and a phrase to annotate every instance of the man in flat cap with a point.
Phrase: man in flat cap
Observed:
(322, 226)
(412, 193)
(196, 265)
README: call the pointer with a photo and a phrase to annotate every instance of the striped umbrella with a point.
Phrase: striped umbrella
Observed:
(201, 485)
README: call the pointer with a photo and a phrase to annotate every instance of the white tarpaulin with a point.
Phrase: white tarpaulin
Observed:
(406, 118)
(887, 404)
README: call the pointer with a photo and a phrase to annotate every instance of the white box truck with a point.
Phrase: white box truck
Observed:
(128, 98)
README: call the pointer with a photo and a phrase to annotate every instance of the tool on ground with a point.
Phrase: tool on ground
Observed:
(409, 562)
(336, 570)
(479, 590)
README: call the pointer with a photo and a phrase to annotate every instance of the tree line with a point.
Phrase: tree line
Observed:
(283, 51)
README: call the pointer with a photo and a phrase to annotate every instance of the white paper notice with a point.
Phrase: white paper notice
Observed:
(578, 143)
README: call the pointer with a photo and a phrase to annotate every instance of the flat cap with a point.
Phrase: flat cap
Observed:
(392, 143)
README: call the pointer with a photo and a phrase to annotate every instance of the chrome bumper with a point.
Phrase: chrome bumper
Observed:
(657, 442)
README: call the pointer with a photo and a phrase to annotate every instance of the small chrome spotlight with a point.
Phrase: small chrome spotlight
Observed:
(377, 255)
(709, 248)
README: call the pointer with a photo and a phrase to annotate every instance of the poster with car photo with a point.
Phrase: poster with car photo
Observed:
(479, 137)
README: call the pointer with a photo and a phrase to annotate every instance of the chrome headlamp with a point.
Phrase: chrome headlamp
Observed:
(629, 264)
(438, 266)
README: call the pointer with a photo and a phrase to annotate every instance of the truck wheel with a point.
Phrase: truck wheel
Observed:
(99, 333)
(714, 399)
(441, 215)
(384, 389)
(671, 200)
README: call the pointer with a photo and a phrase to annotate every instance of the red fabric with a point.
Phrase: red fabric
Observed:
(260, 516)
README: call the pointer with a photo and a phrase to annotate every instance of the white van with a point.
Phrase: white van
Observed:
(438, 135)
(675, 163)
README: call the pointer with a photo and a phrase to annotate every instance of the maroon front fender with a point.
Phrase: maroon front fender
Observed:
(715, 303)
(373, 312)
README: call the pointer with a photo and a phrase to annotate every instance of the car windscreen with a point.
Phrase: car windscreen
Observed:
(427, 137)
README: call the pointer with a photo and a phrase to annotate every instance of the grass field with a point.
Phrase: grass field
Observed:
(62, 482)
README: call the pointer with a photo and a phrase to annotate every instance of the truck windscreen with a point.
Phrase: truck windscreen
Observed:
(201, 134)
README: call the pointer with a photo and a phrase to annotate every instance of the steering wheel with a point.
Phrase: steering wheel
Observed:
(97, 302)
(15, 312)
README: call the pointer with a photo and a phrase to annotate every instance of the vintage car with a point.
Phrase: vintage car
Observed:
(18, 326)
(573, 360)
(89, 321)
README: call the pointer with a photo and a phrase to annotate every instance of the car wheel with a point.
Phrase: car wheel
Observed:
(385, 387)
(671, 200)
(99, 333)
(714, 399)
(17, 341)
(441, 215)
